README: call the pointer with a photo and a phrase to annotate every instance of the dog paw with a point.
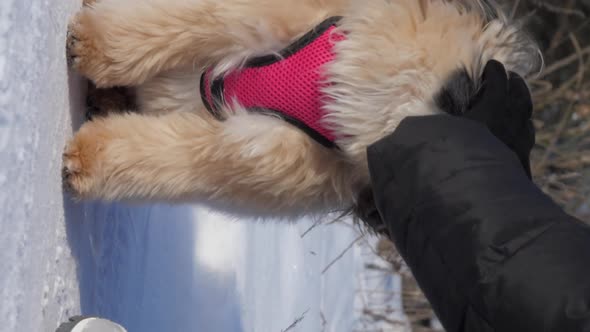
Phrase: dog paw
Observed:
(84, 51)
(76, 172)
(80, 172)
(71, 171)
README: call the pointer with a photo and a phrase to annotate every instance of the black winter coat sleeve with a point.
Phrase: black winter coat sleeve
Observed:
(489, 249)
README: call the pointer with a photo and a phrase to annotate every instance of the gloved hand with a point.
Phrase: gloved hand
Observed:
(504, 105)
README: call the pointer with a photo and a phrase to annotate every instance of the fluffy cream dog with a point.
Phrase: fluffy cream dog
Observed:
(397, 57)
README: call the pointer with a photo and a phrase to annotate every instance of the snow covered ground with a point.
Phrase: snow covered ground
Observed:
(151, 268)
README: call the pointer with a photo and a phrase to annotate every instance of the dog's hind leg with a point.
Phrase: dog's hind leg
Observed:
(253, 163)
(124, 42)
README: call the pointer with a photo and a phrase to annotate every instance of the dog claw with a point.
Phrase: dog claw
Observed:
(71, 43)
(66, 176)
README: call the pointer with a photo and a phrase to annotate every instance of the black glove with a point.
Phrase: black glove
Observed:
(504, 105)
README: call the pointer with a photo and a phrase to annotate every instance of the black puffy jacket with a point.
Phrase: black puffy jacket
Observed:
(489, 249)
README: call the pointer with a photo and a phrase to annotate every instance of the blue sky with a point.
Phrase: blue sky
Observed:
(155, 268)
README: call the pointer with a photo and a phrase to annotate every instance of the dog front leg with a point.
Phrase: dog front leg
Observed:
(271, 169)
(123, 42)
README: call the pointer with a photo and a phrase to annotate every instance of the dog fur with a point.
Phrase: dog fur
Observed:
(397, 57)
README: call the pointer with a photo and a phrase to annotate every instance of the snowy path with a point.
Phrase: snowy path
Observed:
(38, 277)
(152, 268)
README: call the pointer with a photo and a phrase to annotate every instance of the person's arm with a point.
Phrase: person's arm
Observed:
(490, 250)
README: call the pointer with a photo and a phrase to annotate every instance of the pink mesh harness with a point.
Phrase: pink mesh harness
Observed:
(288, 85)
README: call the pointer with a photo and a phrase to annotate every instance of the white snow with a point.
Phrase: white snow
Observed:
(37, 274)
(150, 268)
